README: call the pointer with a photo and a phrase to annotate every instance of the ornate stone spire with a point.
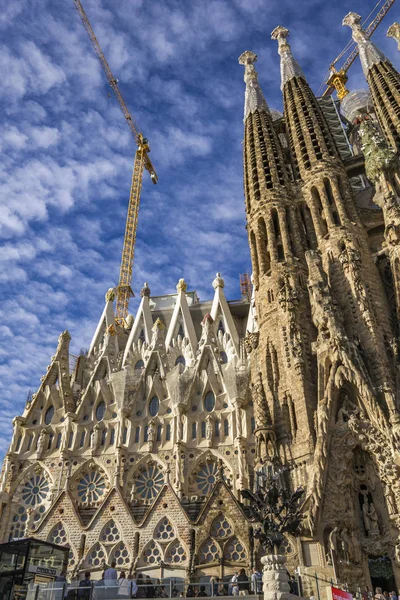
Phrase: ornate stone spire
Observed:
(394, 32)
(369, 53)
(289, 66)
(254, 98)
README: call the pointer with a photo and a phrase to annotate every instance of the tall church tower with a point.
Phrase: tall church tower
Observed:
(323, 346)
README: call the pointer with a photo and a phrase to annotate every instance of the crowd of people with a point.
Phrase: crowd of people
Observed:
(126, 586)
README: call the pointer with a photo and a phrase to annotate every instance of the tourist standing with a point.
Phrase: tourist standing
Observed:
(243, 583)
(85, 584)
(234, 584)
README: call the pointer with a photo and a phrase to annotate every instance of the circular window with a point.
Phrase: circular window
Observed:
(49, 415)
(100, 410)
(154, 406)
(180, 361)
(209, 402)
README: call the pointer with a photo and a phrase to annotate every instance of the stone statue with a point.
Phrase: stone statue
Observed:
(150, 432)
(6, 472)
(370, 517)
(41, 442)
(390, 500)
(209, 428)
(333, 540)
(345, 545)
(132, 495)
(95, 437)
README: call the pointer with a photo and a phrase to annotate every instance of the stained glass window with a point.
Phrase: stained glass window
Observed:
(207, 477)
(221, 528)
(137, 435)
(110, 533)
(194, 431)
(91, 487)
(180, 361)
(97, 555)
(121, 555)
(58, 535)
(139, 365)
(168, 432)
(49, 415)
(175, 553)
(209, 402)
(226, 427)
(35, 490)
(209, 552)
(235, 551)
(152, 553)
(164, 531)
(149, 482)
(100, 411)
(154, 406)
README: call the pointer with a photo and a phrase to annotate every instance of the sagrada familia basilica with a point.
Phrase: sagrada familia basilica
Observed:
(139, 454)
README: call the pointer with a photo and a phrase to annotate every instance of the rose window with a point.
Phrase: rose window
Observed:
(120, 555)
(110, 533)
(235, 551)
(209, 551)
(150, 482)
(18, 523)
(58, 535)
(221, 528)
(175, 553)
(91, 487)
(152, 554)
(164, 531)
(97, 556)
(35, 490)
(207, 477)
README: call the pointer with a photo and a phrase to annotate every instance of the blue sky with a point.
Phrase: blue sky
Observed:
(67, 154)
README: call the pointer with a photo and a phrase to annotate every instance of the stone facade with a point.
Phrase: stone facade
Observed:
(140, 451)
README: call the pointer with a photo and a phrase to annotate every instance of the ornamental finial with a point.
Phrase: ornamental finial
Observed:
(110, 295)
(145, 291)
(182, 286)
(394, 32)
(254, 98)
(158, 325)
(289, 66)
(369, 53)
(218, 281)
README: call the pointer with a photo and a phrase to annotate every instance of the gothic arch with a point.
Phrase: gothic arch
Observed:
(235, 551)
(221, 527)
(59, 534)
(176, 553)
(205, 473)
(209, 551)
(110, 534)
(121, 555)
(152, 554)
(164, 531)
(96, 556)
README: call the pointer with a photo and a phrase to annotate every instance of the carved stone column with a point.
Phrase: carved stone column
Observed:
(275, 578)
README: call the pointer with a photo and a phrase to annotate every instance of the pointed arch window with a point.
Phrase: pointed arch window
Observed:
(103, 437)
(180, 361)
(124, 435)
(175, 553)
(159, 431)
(96, 556)
(110, 533)
(139, 365)
(51, 437)
(216, 428)
(82, 440)
(235, 551)
(48, 417)
(112, 437)
(221, 527)
(120, 555)
(194, 431)
(253, 424)
(164, 531)
(203, 429)
(58, 442)
(152, 553)
(168, 432)
(209, 551)
(146, 434)
(154, 406)
(209, 402)
(137, 435)
(30, 440)
(226, 427)
(70, 439)
(58, 535)
(221, 327)
(100, 411)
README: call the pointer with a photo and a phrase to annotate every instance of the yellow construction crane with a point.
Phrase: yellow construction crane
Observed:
(142, 161)
(338, 77)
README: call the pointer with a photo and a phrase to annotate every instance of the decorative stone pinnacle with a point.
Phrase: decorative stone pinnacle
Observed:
(145, 291)
(110, 295)
(369, 53)
(218, 281)
(289, 66)
(394, 32)
(254, 98)
(207, 319)
(182, 286)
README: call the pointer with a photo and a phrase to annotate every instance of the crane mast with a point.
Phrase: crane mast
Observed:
(338, 77)
(142, 161)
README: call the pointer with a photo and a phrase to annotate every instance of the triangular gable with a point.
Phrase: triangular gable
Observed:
(57, 373)
(220, 308)
(143, 320)
(182, 308)
(107, 320)
(166, 493)
(220, 492)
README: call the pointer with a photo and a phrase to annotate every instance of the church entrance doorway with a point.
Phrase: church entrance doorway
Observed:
(381, 572)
